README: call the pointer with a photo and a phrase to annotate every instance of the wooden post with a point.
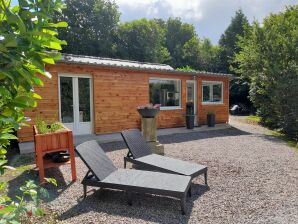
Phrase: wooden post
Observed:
(39, 159)
(72, 156)
(149, 131)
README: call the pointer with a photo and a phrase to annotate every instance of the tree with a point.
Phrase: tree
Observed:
(92, 27)
(228, 40)
(142, 40)
(177, 34)
(208, 56)
(228, 48)
(191, 53)
(27, 38)
(268, 58)
(200, 54)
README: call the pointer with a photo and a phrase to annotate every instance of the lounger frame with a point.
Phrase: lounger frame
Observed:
(90, 179)
(129, 158)
(147, 166)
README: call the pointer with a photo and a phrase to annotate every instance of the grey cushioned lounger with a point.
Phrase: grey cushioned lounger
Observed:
(141, 154)
(102, 173)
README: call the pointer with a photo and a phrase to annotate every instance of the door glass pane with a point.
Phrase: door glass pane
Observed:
(217, 90)
(84, 100)
(66, 94)
(190, 92)
(206, 93)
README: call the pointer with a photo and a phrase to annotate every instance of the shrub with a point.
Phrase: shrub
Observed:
(27, 40)
(268, 58)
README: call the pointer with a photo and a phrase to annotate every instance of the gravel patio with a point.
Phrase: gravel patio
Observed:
(253, 178)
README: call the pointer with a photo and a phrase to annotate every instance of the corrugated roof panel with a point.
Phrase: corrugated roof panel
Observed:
(132, 65)
(112, 62)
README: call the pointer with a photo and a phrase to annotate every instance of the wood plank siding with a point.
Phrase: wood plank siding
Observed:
(117, 93)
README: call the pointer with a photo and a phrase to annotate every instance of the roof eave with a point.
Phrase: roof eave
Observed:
(194, 73)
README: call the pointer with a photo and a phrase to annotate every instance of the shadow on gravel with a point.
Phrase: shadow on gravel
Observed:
(15, 184)
(186, 137)
(113, 146)
(277, 140)
(147, 207)
(183, 137)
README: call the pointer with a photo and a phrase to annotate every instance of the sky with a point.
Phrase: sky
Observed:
(210, 17)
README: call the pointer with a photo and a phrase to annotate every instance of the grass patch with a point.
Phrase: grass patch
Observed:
(253, 118)
(290, 142)
(20, 163)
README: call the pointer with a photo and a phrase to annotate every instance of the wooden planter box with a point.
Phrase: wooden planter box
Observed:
(53, 142)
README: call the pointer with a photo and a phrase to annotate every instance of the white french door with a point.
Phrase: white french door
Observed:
(191, 96)
(75, 99)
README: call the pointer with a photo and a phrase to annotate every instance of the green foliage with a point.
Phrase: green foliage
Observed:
(92, 27)
(27, 203)
(186, 69)
(27, 37)
(228, 40)
(268, 58)
(142, 40)
(27, 40)
(43, 127)
(99, 33)
(177, 34)
(239, 88)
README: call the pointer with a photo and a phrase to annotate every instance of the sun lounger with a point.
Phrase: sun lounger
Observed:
(102, 173)
(141, 154)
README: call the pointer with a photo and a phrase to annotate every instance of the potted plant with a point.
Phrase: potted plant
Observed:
(50, 139)
(148, 110)
(190, 116)
(211, 119)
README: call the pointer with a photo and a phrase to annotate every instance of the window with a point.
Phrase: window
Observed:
(212, 92)
(165, 92)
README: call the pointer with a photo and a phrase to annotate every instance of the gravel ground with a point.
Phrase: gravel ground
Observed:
(252, 178)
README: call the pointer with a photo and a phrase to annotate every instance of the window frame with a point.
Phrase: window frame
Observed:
(210, 84)
(180, 88)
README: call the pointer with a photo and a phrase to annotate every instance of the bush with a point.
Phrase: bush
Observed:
(268, 58)
(27, 40)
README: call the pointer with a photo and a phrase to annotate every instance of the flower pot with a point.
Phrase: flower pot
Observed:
(148, 113)
(211, 120)
(190, 120)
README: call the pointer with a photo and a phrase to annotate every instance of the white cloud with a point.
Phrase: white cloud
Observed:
(210, 17)
(178, 8)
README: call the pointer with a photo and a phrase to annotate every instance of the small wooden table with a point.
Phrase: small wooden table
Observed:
(53, 142)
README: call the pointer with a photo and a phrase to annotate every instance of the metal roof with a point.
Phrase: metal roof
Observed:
(130, 65)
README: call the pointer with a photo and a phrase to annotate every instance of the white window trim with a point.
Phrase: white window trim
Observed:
(210, 83)
(169, 107)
